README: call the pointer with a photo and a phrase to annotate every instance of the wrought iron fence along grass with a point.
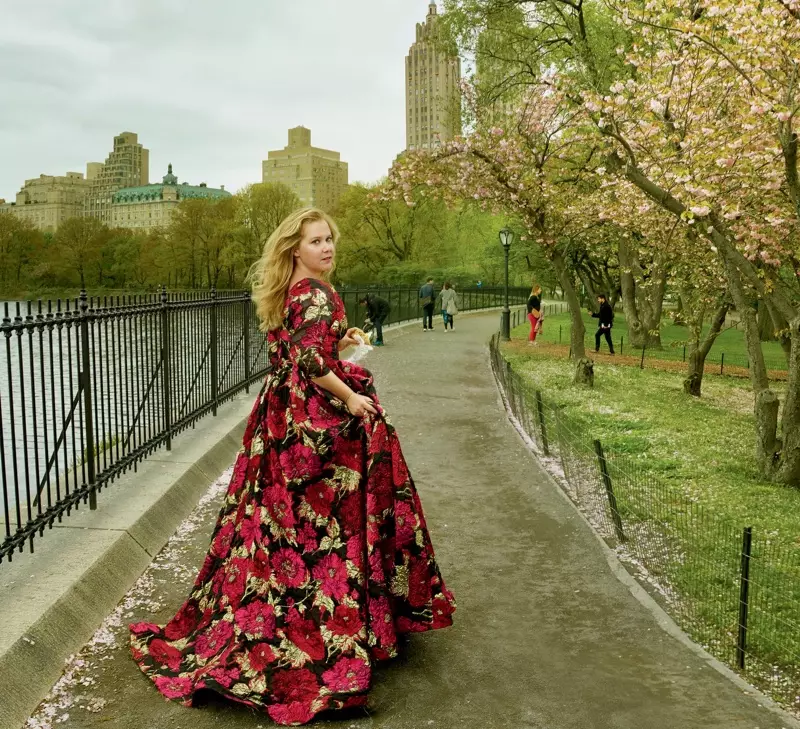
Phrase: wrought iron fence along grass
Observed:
(725, 362)
(91, 386)
(733, 590)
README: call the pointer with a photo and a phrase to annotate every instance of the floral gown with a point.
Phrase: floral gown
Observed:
(320, 556)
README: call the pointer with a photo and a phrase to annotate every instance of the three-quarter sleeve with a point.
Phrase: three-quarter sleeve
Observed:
(311, 320)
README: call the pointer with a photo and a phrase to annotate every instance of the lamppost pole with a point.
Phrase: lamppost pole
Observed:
(506, 237)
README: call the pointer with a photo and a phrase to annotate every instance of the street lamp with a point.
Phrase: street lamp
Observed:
(506, 238)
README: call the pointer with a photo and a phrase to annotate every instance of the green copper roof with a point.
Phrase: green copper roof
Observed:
(143, 193)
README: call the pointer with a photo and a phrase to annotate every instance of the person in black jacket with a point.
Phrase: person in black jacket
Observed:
(377, 311)
(606, 317)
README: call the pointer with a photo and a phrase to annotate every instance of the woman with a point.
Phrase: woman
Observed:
(449, 304)
(320, 557)
(535, 313)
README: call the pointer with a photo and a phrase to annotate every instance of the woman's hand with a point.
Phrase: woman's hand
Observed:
(360, 405)
(348, 340)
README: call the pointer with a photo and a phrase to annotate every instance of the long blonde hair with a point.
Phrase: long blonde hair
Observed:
(270, 274)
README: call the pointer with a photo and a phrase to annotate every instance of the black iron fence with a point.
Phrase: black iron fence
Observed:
(735, 591)
(91, 386)
(718, 360)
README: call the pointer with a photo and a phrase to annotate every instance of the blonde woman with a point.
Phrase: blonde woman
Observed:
(320, 557)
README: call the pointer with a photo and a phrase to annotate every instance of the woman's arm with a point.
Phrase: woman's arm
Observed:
(355, 403)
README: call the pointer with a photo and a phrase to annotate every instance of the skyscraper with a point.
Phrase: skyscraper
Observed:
(128, 165)
(433, 110)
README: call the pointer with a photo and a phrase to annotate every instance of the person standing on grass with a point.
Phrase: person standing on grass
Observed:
(449, 305)
(606, 317)
(535, 315)
(377, 311)
(427, 298)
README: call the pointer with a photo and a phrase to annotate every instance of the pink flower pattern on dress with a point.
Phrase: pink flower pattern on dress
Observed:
(348, 674)
(331, 571)
(314, 555)
(257, 619)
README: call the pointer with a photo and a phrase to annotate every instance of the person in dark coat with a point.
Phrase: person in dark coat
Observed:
(606, 321)
(427, 298)
(377, 311)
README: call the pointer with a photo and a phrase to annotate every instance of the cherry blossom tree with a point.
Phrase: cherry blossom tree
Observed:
(696, 108)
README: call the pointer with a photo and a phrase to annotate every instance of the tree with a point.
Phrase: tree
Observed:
(525, 163)
(260, 208)
(78, 245)
(695, 107)
(20, 245)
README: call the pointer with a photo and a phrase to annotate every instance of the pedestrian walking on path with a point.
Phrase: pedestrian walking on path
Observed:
(427, 297)
(377, 311)
(535, 314)
(320, 557)
(449, 305)
(605, 314)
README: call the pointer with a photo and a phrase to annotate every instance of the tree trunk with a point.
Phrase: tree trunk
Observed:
(679, 319)
(788, 468)
(584, 372)
(766, 329)
(693, 383)
(768, 445)
(642, 310)
(578, 331)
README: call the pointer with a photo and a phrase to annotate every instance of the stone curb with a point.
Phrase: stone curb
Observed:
(94, 557)
(620, 572)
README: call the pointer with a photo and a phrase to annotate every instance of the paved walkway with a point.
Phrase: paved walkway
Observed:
(545, 636)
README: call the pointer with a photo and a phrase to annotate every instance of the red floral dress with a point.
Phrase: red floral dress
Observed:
(320, 556)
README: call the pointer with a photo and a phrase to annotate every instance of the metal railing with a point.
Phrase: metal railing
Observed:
(404, 301)
(734, 590)
(719, 361)
(91, 386)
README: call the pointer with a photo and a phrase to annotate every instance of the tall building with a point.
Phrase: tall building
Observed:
(128, 165)
(146, 207)
(318, 176)
(433, 108)
(48, 200)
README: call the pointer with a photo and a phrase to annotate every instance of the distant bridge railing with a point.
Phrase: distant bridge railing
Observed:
(91, 386)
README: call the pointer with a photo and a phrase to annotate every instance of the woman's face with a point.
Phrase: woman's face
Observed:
(316, 249)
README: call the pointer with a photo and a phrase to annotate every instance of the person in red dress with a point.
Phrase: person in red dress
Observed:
(320, 557)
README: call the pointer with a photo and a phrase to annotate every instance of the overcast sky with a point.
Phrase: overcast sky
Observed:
(209, 85)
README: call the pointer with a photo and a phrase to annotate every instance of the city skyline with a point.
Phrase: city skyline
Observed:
(193, 88)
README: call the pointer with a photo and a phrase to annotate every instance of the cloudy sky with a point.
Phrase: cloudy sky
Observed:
(209, 85)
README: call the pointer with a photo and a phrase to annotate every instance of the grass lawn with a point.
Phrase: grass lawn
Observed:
(673, 339)
(687, 483)
(703, 447)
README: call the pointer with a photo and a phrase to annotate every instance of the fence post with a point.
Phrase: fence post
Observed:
(612, 499)
(559, 333)
(542, 426)
(744, 595)
(214, 352)
(641, 365)
(684, 352)
(86, 383)
(248, 370)
(621, 344)
(722, 364)
(166, 384)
